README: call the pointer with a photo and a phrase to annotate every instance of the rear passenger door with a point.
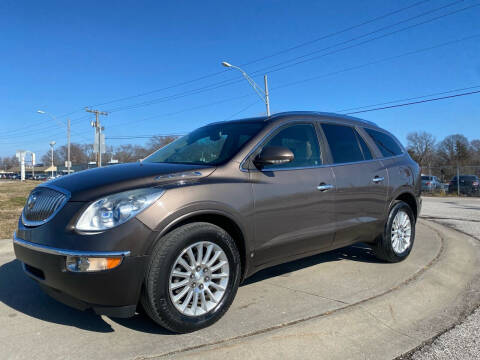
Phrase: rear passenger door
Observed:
(361, 185)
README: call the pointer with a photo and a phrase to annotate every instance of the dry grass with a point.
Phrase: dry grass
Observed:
(13, 195)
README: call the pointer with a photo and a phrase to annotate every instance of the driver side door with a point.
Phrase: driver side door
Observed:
(293, 202)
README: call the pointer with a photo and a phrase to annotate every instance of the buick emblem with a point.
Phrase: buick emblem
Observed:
(31, 201)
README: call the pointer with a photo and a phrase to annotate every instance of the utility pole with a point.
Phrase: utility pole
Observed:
(98, 132)
(267, 98)
(68, 133)
(52, 144)
(69, 164)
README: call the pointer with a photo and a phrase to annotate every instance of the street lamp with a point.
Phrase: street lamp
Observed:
(68, 135)
(260, 92)
(52, 144)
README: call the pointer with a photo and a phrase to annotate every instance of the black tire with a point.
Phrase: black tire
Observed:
(383, 247)
(155, 296)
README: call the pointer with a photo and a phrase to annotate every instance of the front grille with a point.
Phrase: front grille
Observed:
(42, 204)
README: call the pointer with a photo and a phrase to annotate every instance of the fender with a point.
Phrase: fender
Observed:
(191, 211)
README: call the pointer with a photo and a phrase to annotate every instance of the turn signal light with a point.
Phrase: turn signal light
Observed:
(87, 264)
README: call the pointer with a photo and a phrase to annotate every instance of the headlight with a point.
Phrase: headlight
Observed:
(116, 209)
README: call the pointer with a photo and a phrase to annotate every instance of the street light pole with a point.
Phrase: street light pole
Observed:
(260, 92)
(68, 134)
(52, 144)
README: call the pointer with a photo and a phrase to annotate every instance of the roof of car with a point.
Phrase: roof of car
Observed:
(276, 116)
(321, 114)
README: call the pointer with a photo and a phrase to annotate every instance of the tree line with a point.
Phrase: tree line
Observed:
(83, 153)
(442, 158)
(438, 158)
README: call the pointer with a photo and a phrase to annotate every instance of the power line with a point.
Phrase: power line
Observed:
(268, 56)
(313, 78)
(230, 82)
(365, 41)
(374, 109)
(374, 62)
(224, 83)
(412, 98)
(415, 102)
(297, 82)
(335, 33)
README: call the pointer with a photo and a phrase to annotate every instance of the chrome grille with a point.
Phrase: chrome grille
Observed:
(42, 204)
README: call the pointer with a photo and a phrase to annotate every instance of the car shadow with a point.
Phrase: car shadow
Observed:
(358, 252)
(23, 294)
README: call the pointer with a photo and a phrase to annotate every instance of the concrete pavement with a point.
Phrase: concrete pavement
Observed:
(343, 304)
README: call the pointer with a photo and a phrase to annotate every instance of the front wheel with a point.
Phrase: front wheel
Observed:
(397, 240)
(192, 278)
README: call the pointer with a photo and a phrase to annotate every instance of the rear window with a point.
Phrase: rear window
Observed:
(426, 178)
(386, 144)
(468, 177)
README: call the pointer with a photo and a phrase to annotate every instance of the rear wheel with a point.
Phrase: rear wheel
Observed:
(399, 234)
(192, 278)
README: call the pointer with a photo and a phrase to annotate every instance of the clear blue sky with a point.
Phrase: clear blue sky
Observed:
(60, 56)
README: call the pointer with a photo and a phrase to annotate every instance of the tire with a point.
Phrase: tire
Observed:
(158, 297)
(385, 247)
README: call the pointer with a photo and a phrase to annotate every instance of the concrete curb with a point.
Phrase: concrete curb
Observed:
(385, 326)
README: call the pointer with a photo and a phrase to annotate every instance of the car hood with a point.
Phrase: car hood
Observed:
(91, 184)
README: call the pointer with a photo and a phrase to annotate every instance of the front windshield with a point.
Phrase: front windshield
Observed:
(209, 145)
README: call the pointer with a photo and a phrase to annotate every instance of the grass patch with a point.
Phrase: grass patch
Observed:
(13, 195)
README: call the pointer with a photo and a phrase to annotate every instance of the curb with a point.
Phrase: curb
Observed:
(406, 317)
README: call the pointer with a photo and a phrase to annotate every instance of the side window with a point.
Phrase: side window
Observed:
(385, 143)
(302, 140)
(367, 154)
(345, 144)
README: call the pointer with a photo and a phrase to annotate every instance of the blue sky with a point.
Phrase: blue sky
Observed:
(60, 56)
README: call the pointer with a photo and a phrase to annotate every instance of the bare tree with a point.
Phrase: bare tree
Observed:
(475, 151)
(158, 142)
(130, 153)
(454, 149)
(421, 147)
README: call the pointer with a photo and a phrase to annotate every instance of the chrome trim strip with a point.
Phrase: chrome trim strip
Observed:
(178, 175)
(65, 252)
(325, 187)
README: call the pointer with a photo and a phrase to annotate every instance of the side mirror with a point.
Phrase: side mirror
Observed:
(273, 155)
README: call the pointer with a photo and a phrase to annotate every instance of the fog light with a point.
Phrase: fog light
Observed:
(86, 264)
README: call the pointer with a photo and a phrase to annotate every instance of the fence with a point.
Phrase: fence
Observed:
(444, 179)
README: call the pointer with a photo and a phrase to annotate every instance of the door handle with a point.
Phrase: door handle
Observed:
(325, 187)
(378, 179)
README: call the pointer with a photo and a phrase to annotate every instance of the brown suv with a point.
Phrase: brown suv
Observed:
(178, 231)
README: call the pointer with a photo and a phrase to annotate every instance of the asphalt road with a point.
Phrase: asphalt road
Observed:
(343, 304)
(463, 341)
(462, 214)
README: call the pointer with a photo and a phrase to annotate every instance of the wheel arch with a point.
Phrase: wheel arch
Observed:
(408, 198)
(221, 220)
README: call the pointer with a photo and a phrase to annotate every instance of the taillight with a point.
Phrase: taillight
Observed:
(427, 183)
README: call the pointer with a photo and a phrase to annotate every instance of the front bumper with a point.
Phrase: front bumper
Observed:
(112, 292)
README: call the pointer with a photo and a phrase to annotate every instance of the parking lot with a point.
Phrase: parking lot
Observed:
(343, 304)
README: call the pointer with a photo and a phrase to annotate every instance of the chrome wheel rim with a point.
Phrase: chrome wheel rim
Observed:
(199, 278)
(401, 232)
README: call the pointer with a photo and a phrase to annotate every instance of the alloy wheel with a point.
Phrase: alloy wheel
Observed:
(401, 232)
(199, 278)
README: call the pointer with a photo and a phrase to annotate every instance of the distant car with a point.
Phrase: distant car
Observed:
(41, 177)
(430, 183)
(469, 184)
